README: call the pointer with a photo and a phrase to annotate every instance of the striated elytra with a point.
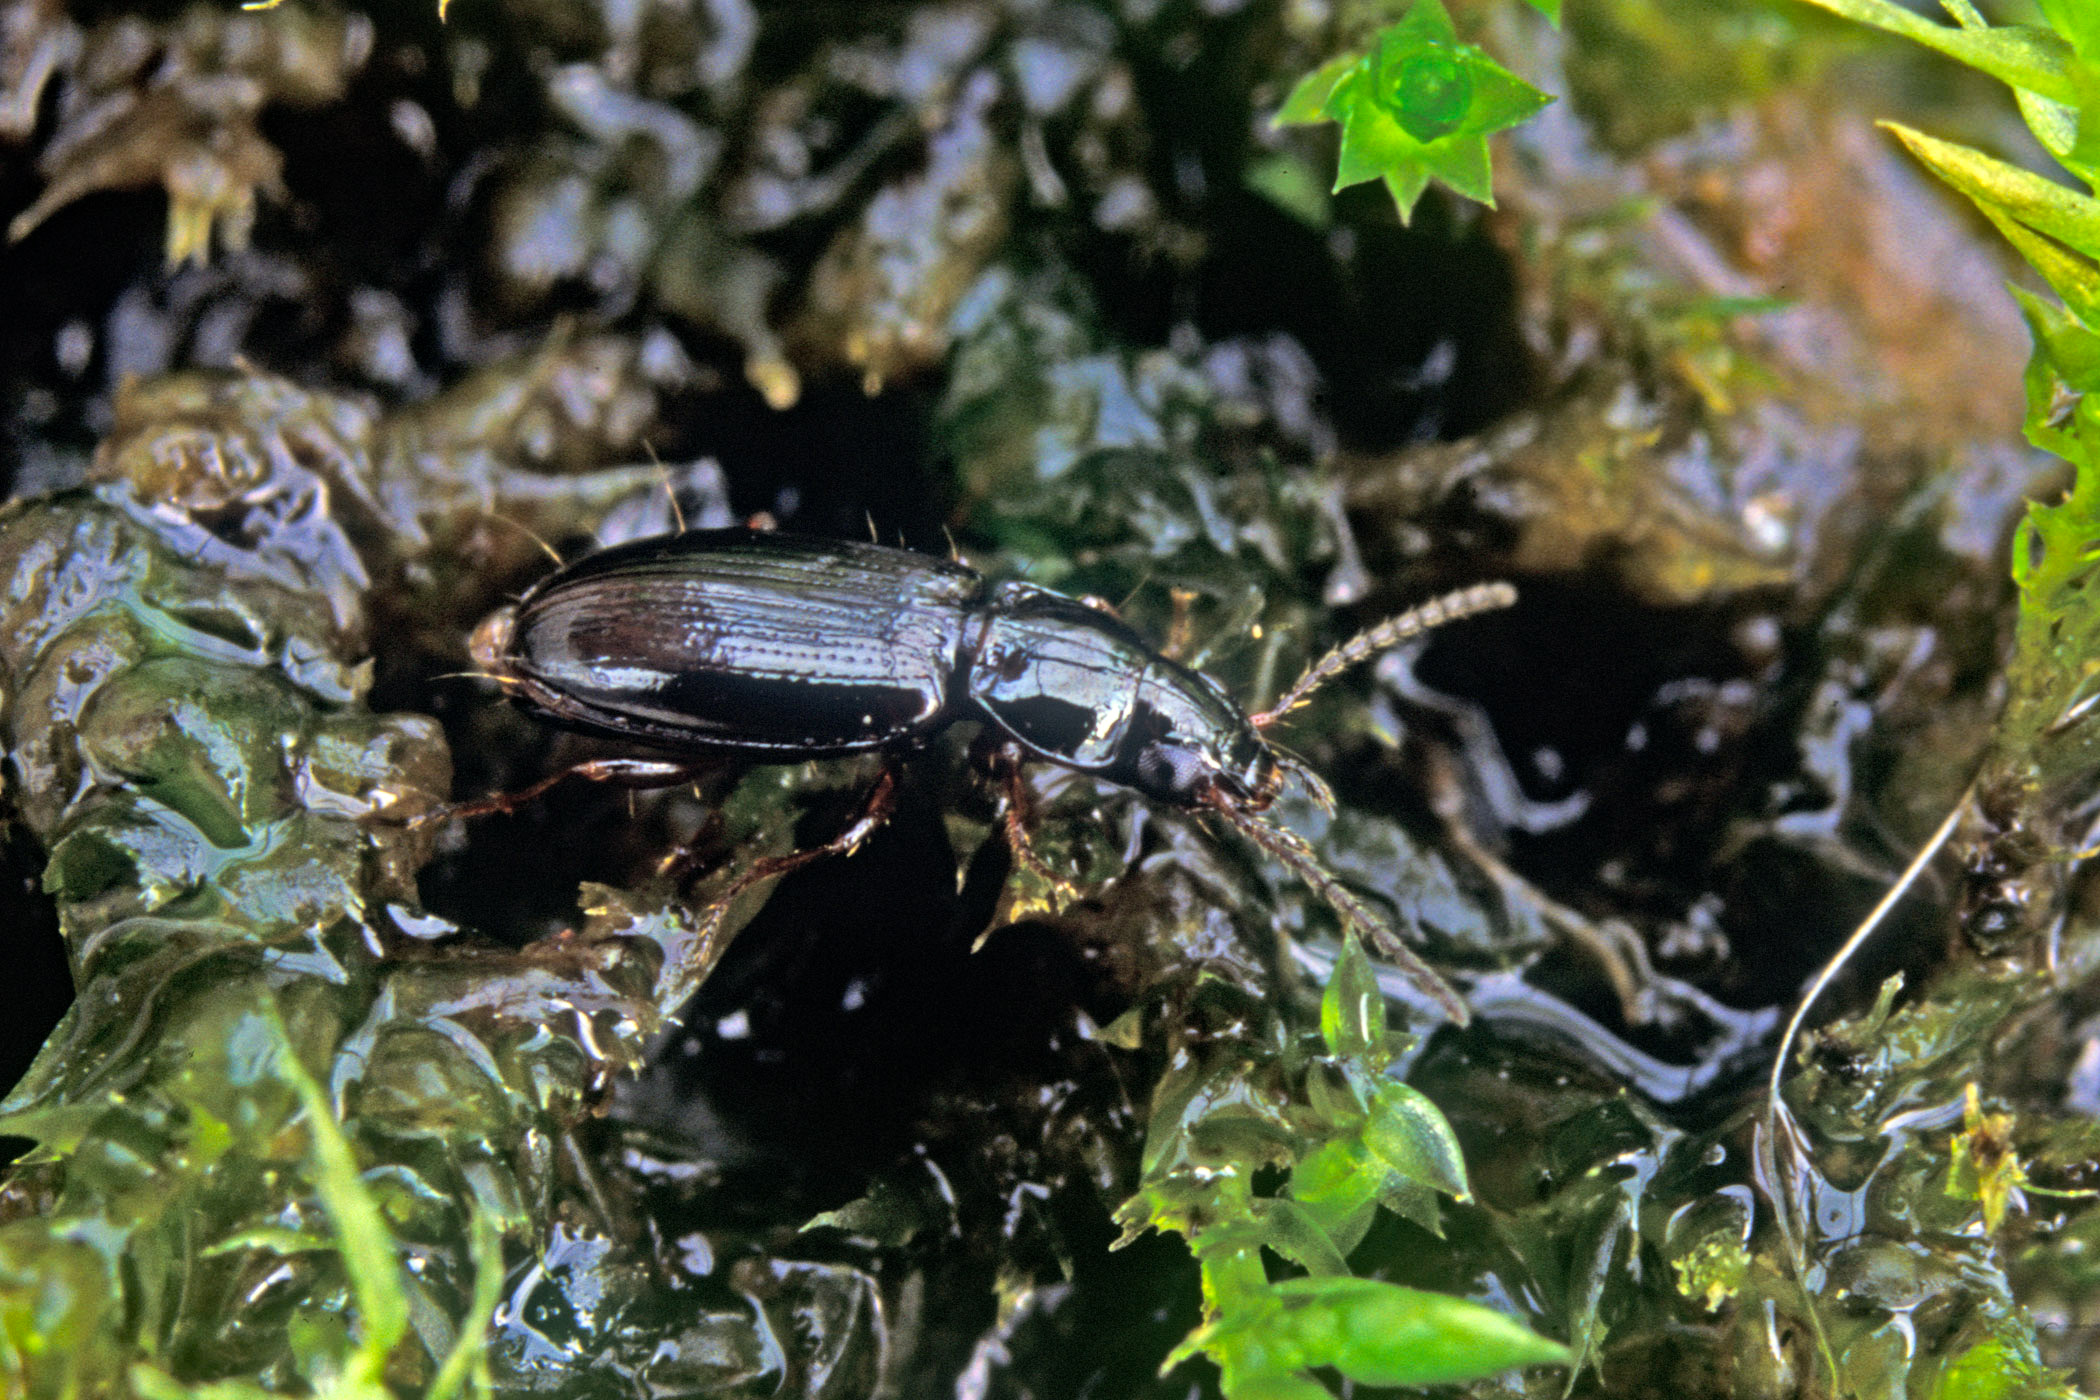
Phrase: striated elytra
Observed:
(774, 647)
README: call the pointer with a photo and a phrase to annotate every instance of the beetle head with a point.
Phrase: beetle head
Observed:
(1235, 768)
(1247, 773)
(1190, 744)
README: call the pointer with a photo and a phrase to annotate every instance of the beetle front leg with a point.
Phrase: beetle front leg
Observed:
(1016, 808)
(629, 772)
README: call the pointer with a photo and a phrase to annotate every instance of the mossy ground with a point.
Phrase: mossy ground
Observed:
(312, 318)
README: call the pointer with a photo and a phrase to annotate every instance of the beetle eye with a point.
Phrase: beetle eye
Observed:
(1171, 770)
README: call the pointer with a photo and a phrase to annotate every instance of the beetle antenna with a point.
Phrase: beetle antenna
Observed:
(1315, 786)
(1115, 609)
(1366, 923)
(1480, 598)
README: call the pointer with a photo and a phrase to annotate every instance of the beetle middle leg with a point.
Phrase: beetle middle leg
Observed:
(628, 772)
(880, 802)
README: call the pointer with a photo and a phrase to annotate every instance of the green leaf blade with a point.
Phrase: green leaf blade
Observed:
(1411, 1136)
(2030, 199)
(367, 1246)
(1352, 1009)
(1308, 101)
(1379, 1333)
(2030, 59)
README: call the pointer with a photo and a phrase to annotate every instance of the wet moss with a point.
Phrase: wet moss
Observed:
(1009, 270)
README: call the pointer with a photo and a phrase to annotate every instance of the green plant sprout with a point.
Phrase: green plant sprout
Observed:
(1351, 1139)
(1418, 106)
(1984, 1168)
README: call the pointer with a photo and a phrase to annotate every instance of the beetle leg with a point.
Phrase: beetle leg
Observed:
(632, 772)
(881, 801)
(1016, 805)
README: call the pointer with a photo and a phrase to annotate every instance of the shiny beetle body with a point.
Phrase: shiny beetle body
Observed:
(775, 647)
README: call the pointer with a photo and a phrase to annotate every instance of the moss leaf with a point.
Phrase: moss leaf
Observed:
(2034, 200)
(2020, 56)
(1411, 1135)
(1375, 1333)
(1419, 106)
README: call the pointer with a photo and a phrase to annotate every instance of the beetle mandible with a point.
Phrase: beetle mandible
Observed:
(774, 647)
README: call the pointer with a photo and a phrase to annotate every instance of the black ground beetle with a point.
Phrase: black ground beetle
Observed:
(758, 645)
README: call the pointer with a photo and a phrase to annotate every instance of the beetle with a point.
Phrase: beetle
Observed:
(773, 647)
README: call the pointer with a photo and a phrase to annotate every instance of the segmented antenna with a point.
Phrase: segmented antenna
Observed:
(1290, 848)
(1480, 598)
(1289, 764)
